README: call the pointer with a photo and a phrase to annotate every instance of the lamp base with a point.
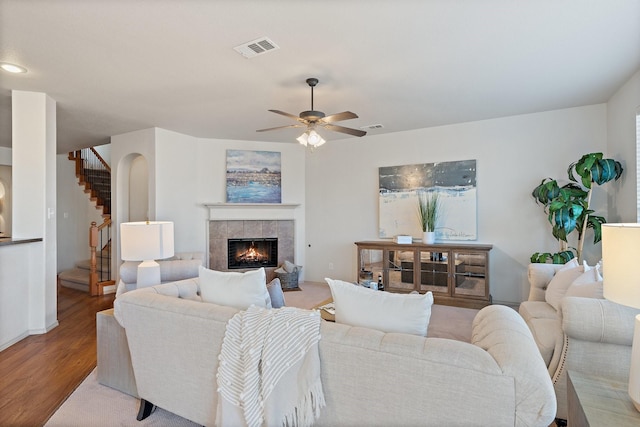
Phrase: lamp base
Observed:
(148, 274)
(634, 371)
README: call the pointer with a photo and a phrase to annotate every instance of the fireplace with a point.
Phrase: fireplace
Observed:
(220, 231)
(252, 253)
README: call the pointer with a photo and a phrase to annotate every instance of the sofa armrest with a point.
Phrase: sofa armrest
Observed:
(540, 275)
(598, 320)
(598, 338)
(506, 337)
(174, 345)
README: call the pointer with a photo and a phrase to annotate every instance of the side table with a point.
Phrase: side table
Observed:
(596, 402)
(325, 314)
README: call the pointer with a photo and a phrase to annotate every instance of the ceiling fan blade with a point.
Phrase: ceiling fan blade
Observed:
(350, 131)
(291, 116)
(280, 127)
(345, 115)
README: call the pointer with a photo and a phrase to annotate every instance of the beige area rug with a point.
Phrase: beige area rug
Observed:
(96, 405)
(310, 295)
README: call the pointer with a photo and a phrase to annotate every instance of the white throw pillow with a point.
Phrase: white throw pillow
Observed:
(587, 285)
(359, 306)
(558, 286)
(239, 290)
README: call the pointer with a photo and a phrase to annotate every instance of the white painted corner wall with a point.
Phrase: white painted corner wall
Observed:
(186, 173)
(622, 109)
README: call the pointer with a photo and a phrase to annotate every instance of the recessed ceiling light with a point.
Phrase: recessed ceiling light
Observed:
(12, 68)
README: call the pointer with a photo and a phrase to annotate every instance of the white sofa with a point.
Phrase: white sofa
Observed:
(114, 363)
(588, 335)
(369, 377)
(182, 265)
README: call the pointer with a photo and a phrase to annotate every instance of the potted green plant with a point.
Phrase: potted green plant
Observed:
(428, 211)
(568, 207)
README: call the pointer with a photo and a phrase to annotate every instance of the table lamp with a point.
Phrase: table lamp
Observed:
(620, 255)
(146, 241)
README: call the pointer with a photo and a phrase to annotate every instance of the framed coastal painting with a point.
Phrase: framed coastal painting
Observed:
(254, 176)
(455, 183)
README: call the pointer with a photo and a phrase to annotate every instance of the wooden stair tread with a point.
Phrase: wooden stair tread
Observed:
(74, 275)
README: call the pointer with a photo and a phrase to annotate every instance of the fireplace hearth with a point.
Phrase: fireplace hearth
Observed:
(252, 253)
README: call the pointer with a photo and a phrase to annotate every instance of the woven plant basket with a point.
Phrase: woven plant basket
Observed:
(289, 281)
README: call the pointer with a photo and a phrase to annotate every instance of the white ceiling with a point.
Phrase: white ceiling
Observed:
(119, 66)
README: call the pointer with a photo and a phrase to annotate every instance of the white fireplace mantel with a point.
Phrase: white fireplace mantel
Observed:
(251, 211)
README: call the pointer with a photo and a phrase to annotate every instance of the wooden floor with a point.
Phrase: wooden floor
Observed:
(39, 372)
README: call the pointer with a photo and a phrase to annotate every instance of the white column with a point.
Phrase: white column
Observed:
(34, 199)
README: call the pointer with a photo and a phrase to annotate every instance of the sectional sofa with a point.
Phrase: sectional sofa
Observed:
(369, 377)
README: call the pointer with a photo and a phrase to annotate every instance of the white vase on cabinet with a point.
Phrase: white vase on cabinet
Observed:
(429, 237)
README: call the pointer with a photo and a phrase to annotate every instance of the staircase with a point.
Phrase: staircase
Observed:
(94, 174)
(78, 277)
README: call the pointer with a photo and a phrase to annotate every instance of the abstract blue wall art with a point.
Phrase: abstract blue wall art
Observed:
(455, 183)
(254, 177)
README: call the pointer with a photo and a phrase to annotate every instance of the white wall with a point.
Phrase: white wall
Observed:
(125, 149)
(621, 134)
(513, 155)
(185, 173)
(76, 211)
(28, 303)
(211, 181)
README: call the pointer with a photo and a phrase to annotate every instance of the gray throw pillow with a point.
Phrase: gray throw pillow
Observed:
(275, 292)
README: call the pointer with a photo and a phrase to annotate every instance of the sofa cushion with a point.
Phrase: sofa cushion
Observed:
(359, 306)
(547, 334)
(544, 324)
(587, 285)
(536, 310)
(275, 293)
(233, 289)
(561, 282)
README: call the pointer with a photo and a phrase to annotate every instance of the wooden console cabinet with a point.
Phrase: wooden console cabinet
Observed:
(456, 273)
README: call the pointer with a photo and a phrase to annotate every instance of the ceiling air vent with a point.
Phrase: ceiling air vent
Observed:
(372, 127)
(256, 47)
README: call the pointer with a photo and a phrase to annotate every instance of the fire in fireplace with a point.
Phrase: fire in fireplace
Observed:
(252, 253)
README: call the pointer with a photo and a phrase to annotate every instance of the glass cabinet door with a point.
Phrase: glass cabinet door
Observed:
(470, 273)
(434, 272)
(399, 266)
(371, 264)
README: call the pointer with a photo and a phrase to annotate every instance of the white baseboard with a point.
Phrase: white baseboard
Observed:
(11, 342)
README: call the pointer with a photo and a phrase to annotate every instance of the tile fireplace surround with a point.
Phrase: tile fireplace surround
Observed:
(221, 230)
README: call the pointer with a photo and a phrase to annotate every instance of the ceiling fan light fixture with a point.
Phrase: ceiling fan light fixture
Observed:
(314, 139)
(303, 139)
(311, 138)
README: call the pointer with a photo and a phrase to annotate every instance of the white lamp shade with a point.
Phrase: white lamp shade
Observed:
(620, 255)
(142, 241)
(312, 138)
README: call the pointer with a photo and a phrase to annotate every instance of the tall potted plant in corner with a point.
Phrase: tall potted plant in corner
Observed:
(428, 211)
(568, 207)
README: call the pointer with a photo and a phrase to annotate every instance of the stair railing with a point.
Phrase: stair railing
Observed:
(91, 168)
(100, 237)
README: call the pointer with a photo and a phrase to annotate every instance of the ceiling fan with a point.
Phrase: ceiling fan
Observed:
(313, 119)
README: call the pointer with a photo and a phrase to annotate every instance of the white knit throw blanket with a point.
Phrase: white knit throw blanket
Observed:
(269, 369)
